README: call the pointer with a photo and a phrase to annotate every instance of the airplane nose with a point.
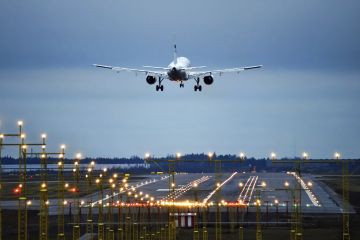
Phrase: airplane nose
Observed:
(173, 69)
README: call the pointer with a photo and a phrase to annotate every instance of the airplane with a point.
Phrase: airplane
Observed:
(179, 71)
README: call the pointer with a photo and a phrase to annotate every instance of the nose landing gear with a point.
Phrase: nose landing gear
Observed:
(160, 86)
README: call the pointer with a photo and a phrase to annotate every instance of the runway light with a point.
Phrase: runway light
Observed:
(337, 155)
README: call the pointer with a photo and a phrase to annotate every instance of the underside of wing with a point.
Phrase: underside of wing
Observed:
(124, 69)
(222, 71)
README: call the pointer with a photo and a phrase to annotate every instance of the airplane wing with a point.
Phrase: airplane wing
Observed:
(222, 71)
(123, 69)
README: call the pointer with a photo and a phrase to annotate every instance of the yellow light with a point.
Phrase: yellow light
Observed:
(113, 185)
(60, 163)
(82, 202)
(141, 193)
(105, 170)
(111, 180)
(89, 169)
(136, 196)
(76, 163)
(20, 123)
(43, 155)
(305, 155)
(74, 170)
(337, 155)
(241, 184)
(147, 195)
(65, 202)
(210, 154)
(23, 146)
(263, 184)
(152, 199)
(126, 185)
(1, 136)
(309, 184)
(242, 155)
(273, 155)
(29, 202)
(195, 185)
(92, 163)
(124, 180)
(66, 185)
(218, 184)
(78, 155)
(47, 202)
(43, 135)
(61, 155)
(115, 175)
(258, 202)
(276, 201)
(286, 184)
(23, 135)
(43, 185)
(129, 193)
(172, 184)
(97, 180)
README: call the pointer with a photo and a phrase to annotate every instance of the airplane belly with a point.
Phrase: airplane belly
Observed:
(177, 75)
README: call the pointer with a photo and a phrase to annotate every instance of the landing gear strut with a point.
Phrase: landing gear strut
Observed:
(160, 86)
(197, 86)
(181, 85)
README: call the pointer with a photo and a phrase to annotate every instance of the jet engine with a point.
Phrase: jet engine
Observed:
(208, 80)
(150, 80)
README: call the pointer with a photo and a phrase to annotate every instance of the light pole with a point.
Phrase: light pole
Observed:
(76, 171)
(101, 232)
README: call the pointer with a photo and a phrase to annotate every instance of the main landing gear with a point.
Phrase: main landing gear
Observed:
(181, 85)
(197, 86)
(160, 86)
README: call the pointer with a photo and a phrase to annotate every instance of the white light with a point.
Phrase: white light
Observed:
(147, 155)
(337, 155)
(61, 155)
(78, 155)
(59, 163)
(92, 163)
(23, 135)
(242, 155)
(1, 136)
(210, 154)
(286, 184)
(43, 146)
(305, 155)
(20, 123)
(241, 184)
(273, 155)
(178, 155)
(43, 135)
(63, 146)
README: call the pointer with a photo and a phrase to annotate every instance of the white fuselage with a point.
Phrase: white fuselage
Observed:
(177, 71)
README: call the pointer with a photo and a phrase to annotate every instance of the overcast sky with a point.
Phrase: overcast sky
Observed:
(305, 98)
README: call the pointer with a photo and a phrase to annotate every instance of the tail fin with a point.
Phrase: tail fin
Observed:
(175, 54)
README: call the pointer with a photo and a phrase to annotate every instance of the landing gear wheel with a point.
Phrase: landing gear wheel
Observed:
(157, 87)
(181, 85)
(195, 88)
(162, 87)
(200, 88)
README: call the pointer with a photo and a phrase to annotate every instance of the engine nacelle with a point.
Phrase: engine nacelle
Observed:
(208, 80)
(150, 80)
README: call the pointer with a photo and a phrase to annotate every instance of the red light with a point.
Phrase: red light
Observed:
(73, 190)
(17, 190)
